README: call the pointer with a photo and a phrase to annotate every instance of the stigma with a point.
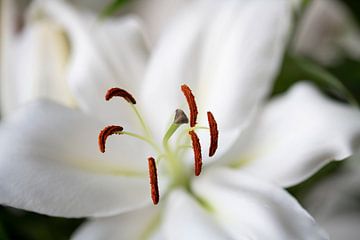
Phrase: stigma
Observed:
(165, 151)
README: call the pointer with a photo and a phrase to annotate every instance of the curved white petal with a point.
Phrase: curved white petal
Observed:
(174, 62)
(186, 219)
(334, 202)
(251, 209)
(226, 54)
(138, 224)
(49, 163)
(241, 57)
(104, 54)
(40, 44)
(327, 31)
(156, 14)
(298, 133)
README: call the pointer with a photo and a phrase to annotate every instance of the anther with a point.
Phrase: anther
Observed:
(192, 104)
(153, 181)
(180, 117)
(214, 134)
(105, 133)
(118, 92)
(197, 152)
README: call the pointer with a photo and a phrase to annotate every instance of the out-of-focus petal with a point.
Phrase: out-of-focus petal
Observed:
(104, 54)
(327, 31)
(298, 133)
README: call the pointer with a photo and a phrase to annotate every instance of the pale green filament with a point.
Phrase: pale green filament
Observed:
(142, 122)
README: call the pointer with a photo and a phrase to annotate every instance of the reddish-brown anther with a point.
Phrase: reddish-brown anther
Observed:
(118, 92)
(153, 181)
(214, 134)
(105, 133)
(197, 152)
(192, 104)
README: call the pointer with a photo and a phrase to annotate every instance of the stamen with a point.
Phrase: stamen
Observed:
(192, 104)
(118, 92)
(153, 181)
(197, 152)
(105, 133)
(214, 134)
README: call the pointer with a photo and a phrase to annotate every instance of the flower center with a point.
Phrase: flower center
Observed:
(166, 151)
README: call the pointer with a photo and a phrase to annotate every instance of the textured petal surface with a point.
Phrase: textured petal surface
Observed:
(104, 54)
(186, 219)
(241, 57)
(139, 224)
(226, 54)
(298, 133)
(174, 62)
(248, 208)
(50, 163)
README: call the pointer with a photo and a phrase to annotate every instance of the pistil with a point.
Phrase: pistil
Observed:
(177, 169)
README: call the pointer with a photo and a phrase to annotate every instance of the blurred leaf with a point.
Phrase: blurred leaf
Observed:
(3, 235)
(297, 69)
(348, 71)
(31, 226)
(354, 6)
(113, 7)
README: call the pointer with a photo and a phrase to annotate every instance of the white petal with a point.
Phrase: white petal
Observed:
(156, 14)
(105, 54)
(174, 62)
(139, 224)
(242, 55)
(298, 133)
(226, 54)
(41, 44)
(327, 31)
(49, 163)
(185, 219)
(334, 202)
(251, 209)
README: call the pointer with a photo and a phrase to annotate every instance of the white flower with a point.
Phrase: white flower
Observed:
(49, 162)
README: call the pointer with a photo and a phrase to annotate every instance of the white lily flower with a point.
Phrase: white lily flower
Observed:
(327, 31)
(229, 57)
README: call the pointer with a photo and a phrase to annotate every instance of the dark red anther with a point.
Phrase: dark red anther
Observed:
(105, 133)
(197, 152)
(118, 92)
(214, 134)
(155, 196)
(192, 104)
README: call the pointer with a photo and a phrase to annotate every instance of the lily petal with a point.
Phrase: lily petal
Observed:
(248, 208)
(224, 53)
(104, 54)
(49, 164)
(298, 133)
(174, 62)
(241, 58)
(139, 224)
(179, 209)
